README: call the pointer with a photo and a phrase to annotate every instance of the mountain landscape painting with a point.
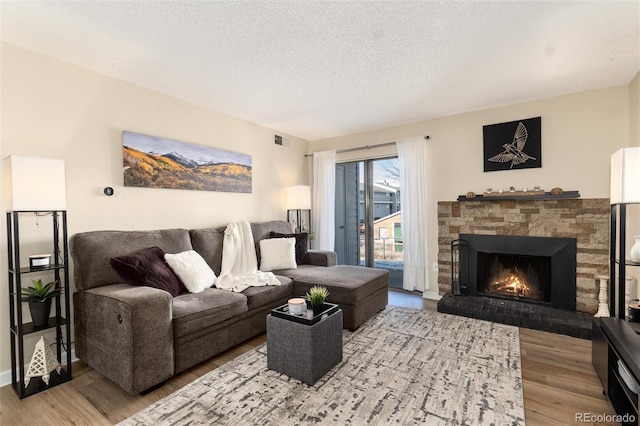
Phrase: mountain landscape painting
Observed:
(155, 162)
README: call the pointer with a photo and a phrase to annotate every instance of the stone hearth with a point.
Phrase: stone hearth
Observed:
(587, 220)
(512, 312)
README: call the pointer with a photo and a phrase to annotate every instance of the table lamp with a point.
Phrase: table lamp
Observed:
(299, 201)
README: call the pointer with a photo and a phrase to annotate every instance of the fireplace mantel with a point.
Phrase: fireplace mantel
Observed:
(506, 196)
(586, 219)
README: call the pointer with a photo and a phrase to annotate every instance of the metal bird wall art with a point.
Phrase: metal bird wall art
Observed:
(513, 151)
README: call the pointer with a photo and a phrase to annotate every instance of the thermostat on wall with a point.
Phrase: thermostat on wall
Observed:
(39, 261)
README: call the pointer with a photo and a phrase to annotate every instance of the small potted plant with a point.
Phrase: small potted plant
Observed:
(39, 297)
(317, 295)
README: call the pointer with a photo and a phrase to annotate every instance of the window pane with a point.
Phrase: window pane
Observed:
(380, 235)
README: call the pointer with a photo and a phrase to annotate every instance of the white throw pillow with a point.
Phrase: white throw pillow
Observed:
(192, 270)
(277, 253)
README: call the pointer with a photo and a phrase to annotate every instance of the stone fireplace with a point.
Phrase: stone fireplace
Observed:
(566, 246)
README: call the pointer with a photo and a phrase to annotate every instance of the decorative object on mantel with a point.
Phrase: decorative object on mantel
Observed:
(557, 191)
(635, 250)
(471, 194)
(536, 194)
(512, 145)
(514, 193)
(603, 306)
(43, 362)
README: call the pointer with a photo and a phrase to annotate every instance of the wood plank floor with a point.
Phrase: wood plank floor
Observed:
(558, 381)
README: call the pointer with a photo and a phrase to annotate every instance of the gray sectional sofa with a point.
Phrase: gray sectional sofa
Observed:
(140, 336)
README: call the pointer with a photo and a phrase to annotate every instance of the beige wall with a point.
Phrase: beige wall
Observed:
(579, 133)
(50, 108)
(634, 111)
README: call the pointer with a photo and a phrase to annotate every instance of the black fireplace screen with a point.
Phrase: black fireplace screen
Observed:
(553, 260)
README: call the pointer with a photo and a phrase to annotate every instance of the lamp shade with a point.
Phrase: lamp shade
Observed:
(625, 176)
(37, 184)
(299, 197)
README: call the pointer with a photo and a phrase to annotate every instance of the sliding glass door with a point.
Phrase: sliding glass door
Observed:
(368, 212)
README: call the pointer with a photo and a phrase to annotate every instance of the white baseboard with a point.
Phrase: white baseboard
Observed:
(432, 295)
(5, 376)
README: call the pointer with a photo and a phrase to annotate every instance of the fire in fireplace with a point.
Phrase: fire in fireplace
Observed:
(520, 277)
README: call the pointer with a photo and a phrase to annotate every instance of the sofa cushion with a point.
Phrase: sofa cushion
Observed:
(302, 245)
(208, 243)
(147, 267)
(192, 270)
(92, 250)
(193, 312)
(264, 295)
(346, 283)
(278, 253)
(262, 230)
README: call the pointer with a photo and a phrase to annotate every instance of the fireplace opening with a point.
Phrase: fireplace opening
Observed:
(515, 276)
(553, 259)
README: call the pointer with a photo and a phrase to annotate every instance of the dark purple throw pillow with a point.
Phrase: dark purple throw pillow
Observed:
(302, 245)
(147, 267)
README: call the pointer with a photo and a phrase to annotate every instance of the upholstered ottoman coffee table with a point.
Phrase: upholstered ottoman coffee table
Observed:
(304, 352)
(359, 291)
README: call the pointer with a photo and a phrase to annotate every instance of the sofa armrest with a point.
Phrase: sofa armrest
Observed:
(321, 257)
(126, 334)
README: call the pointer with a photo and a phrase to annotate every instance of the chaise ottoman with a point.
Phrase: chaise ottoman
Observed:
(359, 291)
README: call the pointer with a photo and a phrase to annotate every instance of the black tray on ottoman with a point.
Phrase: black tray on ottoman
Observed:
(283, 312)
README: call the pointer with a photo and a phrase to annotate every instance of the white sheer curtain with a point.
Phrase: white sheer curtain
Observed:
(412, 159)
(323, 200)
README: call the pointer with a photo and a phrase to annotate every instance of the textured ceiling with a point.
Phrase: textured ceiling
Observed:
(317, 69)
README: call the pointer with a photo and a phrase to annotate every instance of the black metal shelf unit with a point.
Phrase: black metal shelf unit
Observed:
(617, 259)
(616, 341)
(18, 328)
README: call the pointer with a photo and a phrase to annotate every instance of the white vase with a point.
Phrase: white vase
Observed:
(635, 250)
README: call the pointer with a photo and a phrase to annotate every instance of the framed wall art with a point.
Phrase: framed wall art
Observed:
(512, 145)
(154, 162)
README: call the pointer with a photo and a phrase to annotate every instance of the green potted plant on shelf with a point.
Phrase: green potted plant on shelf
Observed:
(39, 297)
(317, 295)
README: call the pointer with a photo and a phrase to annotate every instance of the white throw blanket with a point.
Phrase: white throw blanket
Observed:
(239, 263)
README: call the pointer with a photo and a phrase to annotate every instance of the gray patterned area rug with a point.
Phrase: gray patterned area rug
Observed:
(403, 366)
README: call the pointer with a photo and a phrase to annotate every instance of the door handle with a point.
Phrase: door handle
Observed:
(342, 227)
